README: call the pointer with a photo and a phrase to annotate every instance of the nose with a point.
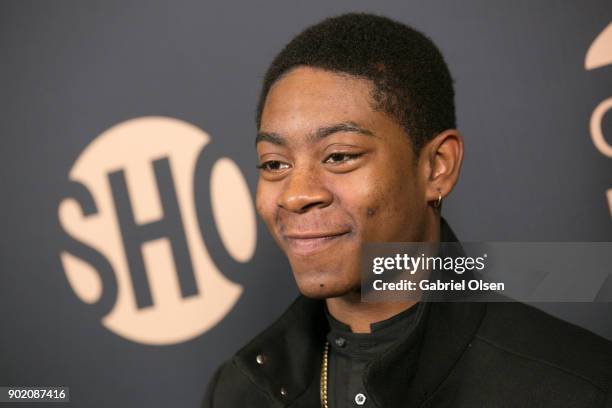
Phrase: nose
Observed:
(304, 191)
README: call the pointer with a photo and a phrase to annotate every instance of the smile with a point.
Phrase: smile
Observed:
(308, 244)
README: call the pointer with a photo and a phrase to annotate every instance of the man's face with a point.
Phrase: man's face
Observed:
(336, 173)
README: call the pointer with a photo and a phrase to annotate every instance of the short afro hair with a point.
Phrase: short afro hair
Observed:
(412, 82)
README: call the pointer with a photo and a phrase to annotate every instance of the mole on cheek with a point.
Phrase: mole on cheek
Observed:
(321, 285)
(371, 212)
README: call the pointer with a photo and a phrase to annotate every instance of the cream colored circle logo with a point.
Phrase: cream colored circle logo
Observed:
(600, 55)
(137, 251)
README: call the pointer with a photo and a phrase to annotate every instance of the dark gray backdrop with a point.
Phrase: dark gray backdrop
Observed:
(70, 70)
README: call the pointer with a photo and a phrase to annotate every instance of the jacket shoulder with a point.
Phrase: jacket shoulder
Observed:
(230, 387)
(243, 381)
(527, 333)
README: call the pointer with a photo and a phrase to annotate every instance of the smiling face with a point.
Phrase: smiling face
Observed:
(335, 173)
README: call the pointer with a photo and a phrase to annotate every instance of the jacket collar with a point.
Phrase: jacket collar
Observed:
(292, 354)
(410, 371)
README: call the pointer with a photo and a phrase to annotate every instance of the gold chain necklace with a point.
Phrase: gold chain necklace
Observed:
(324, 371)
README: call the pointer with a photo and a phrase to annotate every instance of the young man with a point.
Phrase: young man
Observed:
(357, 143)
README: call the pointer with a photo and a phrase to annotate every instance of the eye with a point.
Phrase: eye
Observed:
(273, 166)
(338, 158)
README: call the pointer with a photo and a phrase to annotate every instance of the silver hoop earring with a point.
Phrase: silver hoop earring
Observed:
(439, 200)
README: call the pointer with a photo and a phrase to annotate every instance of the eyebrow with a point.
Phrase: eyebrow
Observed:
(319, 134)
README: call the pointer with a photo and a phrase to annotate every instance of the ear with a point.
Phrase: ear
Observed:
(440, 162)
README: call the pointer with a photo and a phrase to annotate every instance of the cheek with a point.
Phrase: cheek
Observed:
(383, 204)
(365, 197)
(265, 202)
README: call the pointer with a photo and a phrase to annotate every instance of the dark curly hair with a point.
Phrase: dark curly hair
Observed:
(411, 80)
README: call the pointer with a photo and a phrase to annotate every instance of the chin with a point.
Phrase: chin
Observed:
(310, 286)
(325, 276)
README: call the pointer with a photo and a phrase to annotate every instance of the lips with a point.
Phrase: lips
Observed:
(308, 243)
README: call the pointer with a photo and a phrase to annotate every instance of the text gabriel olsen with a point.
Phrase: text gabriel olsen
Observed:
(404, 284)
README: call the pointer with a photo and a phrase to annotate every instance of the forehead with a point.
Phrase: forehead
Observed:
(306, 98)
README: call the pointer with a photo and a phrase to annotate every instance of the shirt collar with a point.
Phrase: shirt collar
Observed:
(365, 346)
(376, 327)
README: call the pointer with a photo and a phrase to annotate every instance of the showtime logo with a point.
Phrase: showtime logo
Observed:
(142, 195)
(600, 55)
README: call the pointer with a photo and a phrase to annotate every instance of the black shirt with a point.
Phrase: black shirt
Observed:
(350, 352)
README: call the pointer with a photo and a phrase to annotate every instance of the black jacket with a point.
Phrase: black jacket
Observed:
(496, 354)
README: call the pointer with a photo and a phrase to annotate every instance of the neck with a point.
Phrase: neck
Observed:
(350, 310)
